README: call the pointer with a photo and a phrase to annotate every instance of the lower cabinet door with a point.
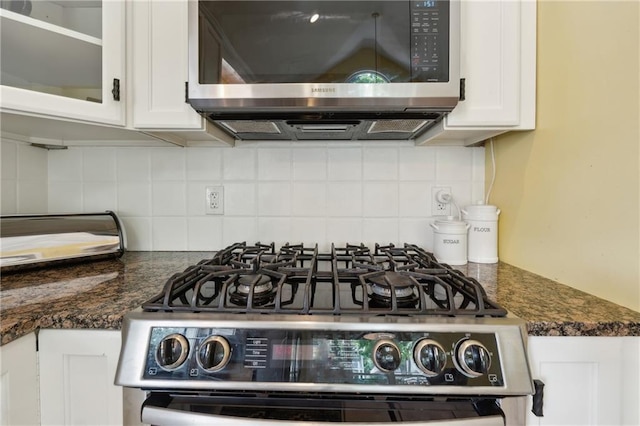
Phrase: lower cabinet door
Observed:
(588, 380)
(77, 370)
(19, 382)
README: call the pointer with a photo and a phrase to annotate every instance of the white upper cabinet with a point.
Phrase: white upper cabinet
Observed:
(498, 65)
(63, 59)
(160, 67)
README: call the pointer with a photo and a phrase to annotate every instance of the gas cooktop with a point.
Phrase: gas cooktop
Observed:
(298, 279)
(354, 320)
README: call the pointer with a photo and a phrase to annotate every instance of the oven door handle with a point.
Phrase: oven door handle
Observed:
(160, 416)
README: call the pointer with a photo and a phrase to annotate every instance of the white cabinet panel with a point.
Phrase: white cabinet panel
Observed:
(19, 382)
(490, 65)
(588, 380)
(160, 66)
(77, 369)
(498, 63)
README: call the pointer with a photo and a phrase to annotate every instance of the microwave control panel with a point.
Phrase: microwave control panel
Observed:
(429, 41)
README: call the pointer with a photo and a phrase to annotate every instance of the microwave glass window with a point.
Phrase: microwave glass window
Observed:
(254, 42)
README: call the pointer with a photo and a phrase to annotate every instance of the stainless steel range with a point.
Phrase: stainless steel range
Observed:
(359, 335)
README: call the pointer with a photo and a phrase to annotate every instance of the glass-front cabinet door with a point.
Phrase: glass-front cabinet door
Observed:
(63, 59)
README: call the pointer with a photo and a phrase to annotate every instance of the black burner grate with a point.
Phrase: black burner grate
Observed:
(353, 279)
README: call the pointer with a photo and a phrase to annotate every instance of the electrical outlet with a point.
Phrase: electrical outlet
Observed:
(441, 205)
(214, 199)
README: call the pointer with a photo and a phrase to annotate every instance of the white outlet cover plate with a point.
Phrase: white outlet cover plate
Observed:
(438, 208)
(214, 199)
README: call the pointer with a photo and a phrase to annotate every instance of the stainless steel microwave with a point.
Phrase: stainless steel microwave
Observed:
(316, 69)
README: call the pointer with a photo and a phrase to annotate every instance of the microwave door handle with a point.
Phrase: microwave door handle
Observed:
(161, 416)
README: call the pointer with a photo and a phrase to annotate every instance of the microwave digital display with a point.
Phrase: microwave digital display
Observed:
(264, 42)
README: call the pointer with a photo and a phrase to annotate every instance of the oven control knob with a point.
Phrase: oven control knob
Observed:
(430, 357)
(386, 355)
(473, 358)
(214, 353)
(172, 352)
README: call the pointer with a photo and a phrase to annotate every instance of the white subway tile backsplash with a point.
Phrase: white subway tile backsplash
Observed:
(344, 230)
(477, 165)
(312, 193)
(309, 164)
(344, 199)
(274, 164)
(380, 199)
(204, 164)
(168, 164)
(169, 233)
(196, 201)
(477, 193)
(309, 231)
(31, 198)
(99, 164)
(240, 199)
(24, 178)
(453, 164)
(416, 231)
(65, 165)
(205, 233)
(133, 164)
(9, 162)
(417, 164)
(414, 199)
(134, 199)
(274, 199)
(345, 164)
(383, 231)
(9, 200)
(238, 229)
(137, 233)
(32, 164)
(309, 199)
(239, 163)
(168, 199)
(65, 197)
(274, 229)
(380, 164)
(99, 196)
(461, 192)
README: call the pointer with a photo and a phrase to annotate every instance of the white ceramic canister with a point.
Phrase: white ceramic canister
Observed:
(483, 232)
(450, 241)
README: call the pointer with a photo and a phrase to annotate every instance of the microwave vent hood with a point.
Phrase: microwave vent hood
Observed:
(338, 126)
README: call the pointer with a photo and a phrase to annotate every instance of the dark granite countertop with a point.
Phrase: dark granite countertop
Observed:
(98, 294)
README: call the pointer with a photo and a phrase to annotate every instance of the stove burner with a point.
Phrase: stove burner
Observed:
(260, 285)
(383, 285)
(261, 282)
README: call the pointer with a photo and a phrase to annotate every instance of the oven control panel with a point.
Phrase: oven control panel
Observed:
(329, 357)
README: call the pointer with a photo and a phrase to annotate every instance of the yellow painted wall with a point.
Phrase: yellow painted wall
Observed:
(569, 191)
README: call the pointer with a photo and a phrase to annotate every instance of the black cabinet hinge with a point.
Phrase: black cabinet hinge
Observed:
(462, 88)
(186, 91)
(116, 89)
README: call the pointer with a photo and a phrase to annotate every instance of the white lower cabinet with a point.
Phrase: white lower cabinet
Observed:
(77, 370)
(588, 380)
(19, 382)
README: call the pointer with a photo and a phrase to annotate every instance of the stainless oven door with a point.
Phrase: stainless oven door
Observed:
(163, 409)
